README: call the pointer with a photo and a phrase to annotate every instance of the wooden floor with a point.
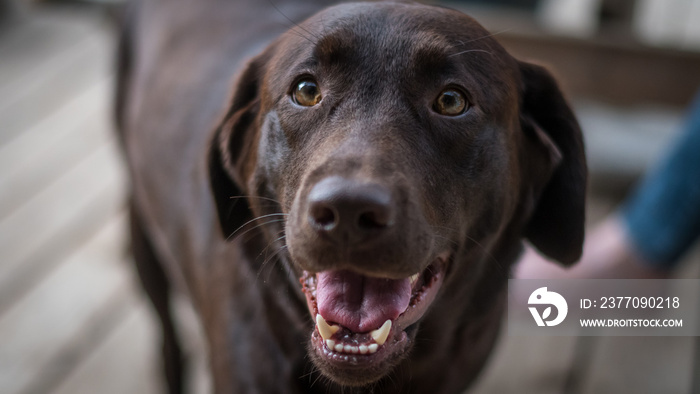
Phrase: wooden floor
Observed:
(72, 319)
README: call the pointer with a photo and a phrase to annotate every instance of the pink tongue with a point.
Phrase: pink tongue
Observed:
(360, 303)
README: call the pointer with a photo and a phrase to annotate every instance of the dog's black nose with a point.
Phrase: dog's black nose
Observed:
(349, 211)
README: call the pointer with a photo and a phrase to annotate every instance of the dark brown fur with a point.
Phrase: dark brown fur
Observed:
(471, 186)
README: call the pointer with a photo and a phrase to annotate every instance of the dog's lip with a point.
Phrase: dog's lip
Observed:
(424, 290)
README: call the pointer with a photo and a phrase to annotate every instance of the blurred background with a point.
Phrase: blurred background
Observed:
(72, 317)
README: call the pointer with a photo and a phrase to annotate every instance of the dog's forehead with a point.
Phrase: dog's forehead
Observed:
(397, 42)
(412, 29)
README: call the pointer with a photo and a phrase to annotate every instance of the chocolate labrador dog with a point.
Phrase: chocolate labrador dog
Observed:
(344, 213)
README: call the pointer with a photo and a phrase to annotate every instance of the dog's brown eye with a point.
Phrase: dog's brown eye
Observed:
(451, 102)
(307, 93)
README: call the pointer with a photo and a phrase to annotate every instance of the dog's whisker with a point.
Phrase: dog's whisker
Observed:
(272, 267)
(489, 255)
(471, 50)
(272, 243)
(256, 197)
(268, 202)
(447, 239)
(281, 234)
(311, 367)
(395, 380)
(462, 43)
(486, 252)
(294, 23)
(261, 217)
(318, 376)
(312, 370)
(298, 34)
(264, 264)
(269, 259)
(454, 230)
(230, 237)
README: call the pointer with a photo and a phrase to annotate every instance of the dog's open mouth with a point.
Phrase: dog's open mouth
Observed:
(363, 320)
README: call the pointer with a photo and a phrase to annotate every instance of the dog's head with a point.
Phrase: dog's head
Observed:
(404, 149)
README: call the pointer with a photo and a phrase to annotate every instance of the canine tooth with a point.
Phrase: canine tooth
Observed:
(414, 278)
(363, 349)
(330, 344)
(324, 328)
(382, 333)
(372, 348)
(339, 348)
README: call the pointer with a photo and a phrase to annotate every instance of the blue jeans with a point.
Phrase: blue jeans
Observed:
(663, 215)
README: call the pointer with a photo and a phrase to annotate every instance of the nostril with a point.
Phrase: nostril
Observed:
(348, 211)
(322, 217)
(372, 220)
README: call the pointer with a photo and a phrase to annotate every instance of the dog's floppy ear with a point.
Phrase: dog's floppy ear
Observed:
(233, 145)
(556, 227)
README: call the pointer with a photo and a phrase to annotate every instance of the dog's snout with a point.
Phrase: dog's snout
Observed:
(349, 211)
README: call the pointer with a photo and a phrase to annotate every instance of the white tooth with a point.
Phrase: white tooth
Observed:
(324, 328)
(414, 278)
(363, 349)
(382, 333)
(339, 348)
(354, 349)
(330, 344)
(372, 348)
(347, 349)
